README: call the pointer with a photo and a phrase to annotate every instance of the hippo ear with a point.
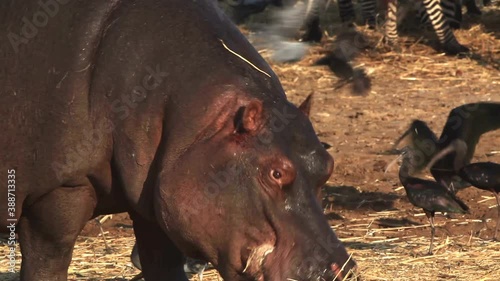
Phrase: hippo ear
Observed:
(249, 118)
(305, 106)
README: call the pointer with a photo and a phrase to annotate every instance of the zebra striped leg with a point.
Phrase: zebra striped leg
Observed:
(346, 10)
(239, 11)
(310, 31)
(391, 23)
(452, 10)
(442, 29)
(368, 11)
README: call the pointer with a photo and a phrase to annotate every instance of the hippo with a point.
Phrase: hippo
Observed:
(164, 110)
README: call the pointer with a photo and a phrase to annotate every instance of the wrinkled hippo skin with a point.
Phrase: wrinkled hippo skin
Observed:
(146, 107)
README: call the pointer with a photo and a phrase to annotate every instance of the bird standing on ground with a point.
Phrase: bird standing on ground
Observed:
(423, 141)
(466, 122)
(192, 267)
(429, 195)
(483, 175)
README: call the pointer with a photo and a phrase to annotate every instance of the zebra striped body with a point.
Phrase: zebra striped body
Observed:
(452, 9)
(439, 23)
(346, 10)
(441, 14)
(368, 11)
(368, 7)
(312, 32)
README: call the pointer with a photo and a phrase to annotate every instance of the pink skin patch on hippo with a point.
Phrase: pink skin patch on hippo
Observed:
(338, 270)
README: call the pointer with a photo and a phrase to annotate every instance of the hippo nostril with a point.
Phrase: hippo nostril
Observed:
(337, 270)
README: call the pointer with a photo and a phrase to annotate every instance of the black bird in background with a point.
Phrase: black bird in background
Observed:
(276, 36)
(422, 140)
(485, 176)
(466, 122)
(482, 175)
(429, 195)
(346, 47)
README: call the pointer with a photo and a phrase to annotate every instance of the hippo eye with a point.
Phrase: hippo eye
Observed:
(281, 174)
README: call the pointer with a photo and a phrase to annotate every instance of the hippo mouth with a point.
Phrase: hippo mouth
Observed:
(255, 262)
(256, 259)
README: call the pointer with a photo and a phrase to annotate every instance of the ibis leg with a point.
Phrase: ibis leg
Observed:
(430, 217)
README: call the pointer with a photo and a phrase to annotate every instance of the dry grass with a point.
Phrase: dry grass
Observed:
(381, 252)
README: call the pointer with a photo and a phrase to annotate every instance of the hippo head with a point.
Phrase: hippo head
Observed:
(246, 196)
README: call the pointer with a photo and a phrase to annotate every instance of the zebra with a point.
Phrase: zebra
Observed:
(240, 10)
(433, 8)
(368, 11)
(452, 11)
(311, 31)
(439, 22)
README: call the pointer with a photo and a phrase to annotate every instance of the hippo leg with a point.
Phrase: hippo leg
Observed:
(160, 258)
(48, 230)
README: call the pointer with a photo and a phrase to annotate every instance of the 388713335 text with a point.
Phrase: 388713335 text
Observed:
(11, 219)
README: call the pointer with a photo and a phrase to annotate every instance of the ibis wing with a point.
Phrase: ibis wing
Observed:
(468, 122)
(432, 196)
(483, 175)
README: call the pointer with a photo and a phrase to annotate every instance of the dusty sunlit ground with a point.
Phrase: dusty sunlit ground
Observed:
(367, 208)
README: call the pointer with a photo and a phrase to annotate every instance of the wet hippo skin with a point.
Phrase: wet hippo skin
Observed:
(161, 109)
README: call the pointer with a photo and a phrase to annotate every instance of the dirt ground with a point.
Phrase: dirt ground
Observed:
(366, 207)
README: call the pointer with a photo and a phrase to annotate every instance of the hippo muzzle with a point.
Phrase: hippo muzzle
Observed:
(251, 208)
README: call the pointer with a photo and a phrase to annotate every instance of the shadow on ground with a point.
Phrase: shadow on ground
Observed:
(350, 198)
(369, 246)
(390, 222)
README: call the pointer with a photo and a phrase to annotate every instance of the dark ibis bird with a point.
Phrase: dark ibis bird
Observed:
(466, 122)
(423, 141)
(483, 175)
(429, 195)
(486, 176)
